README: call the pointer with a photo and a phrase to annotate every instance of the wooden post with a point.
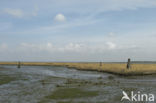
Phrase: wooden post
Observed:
(100, 64)
(129, 63)
(19, 65)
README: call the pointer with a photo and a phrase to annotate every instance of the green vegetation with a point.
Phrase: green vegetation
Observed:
(68, 93)
(69, 102)
(65, 102)
(5, 79)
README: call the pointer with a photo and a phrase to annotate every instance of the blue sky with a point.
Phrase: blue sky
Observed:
(77, 30)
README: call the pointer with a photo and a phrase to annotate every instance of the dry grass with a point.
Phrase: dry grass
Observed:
(136, 69)
(115, 68)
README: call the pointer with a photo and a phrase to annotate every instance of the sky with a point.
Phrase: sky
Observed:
(77, 30)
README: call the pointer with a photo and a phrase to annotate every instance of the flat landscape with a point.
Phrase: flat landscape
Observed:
(77, 51)
(58, 84)
(114, 68)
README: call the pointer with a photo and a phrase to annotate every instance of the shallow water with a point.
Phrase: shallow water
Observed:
(31, 84)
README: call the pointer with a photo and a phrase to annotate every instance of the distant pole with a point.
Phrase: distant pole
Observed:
(100, 64)
(19, 65)
(129, 63)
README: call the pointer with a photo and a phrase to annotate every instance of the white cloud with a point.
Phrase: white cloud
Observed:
(72, 47)
(111, 34)
(111, 45)
(60, 18)
(36, 47)
(3, 46)
(73, 51)
(14, 12)
(35, 11)
(67, 48)
(49, 47)
(20, 13)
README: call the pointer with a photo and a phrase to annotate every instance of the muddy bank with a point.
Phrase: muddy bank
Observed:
(113, 68)
(48, 84)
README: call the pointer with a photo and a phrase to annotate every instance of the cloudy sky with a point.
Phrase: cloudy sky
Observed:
(77, 30)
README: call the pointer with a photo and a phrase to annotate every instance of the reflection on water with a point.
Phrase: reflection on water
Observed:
(30, 84)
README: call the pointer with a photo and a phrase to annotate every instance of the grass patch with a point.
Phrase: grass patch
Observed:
(129, 89)
(5, 79)
(69, 93)
(110, 77)
(69, 102)
(65, 102)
